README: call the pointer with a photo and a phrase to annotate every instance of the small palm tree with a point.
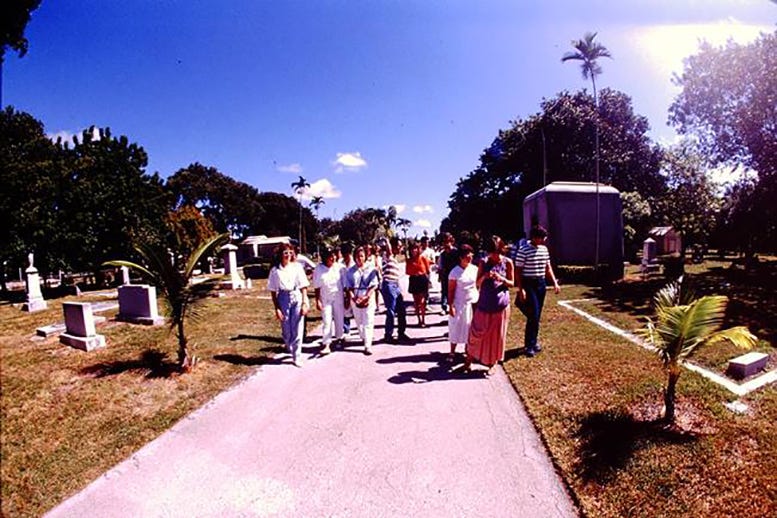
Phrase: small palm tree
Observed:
(684, 323)
(300, 186)
(588, 51)
(172, 277)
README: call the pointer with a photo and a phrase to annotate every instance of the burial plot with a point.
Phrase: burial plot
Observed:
(80, 329)
(747, 365)
(137, 304)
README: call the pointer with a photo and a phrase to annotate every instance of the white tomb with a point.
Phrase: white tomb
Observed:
(747, 364)
(235, 282)
(137, 304)
(80, 329)
(35, 301)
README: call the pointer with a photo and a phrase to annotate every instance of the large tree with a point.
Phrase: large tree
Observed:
(363, 225)
(30, 167)
(691, 202)
(232, 206)
(555, 145)
(108, 201)
(729, 103)
(14, 17)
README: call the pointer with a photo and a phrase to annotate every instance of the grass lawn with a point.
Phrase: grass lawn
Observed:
(67, 416)
(595, 399)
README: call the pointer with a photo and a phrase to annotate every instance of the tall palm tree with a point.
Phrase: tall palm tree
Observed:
(300, 186)
(588, 51)
(316, 202)
(684, 323)
(172, 277)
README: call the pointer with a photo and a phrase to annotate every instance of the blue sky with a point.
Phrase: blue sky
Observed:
(374, 102)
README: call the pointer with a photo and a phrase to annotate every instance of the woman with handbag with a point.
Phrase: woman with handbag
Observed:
(488, 330)
(361, 283)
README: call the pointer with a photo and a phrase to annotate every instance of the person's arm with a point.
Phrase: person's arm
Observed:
(481, 274)
(507, 279)
(278, 311)
(305, 301)
(550, 275)
(317, 293)
(451, 297)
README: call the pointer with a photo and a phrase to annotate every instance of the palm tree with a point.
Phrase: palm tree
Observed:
(588, 51)
(316, 202)
(683, 324)
(172, 277)
(300, 186)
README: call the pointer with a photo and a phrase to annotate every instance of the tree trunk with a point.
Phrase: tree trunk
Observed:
(669, 397)
(185, 362)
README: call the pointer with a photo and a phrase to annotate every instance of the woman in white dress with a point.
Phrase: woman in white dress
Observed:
(462, 294)
(328, 283)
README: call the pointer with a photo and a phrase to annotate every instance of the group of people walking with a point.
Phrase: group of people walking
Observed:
(476, 298)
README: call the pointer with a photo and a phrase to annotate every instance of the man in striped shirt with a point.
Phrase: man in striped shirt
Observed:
(391, 292)
(532, 267)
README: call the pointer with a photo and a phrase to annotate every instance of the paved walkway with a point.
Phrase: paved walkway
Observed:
(393, 434)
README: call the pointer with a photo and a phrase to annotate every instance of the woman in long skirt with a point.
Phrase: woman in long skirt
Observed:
(288, 285)
(488, 331)
(462, 295)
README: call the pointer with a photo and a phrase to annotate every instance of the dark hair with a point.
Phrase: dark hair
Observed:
(360, 249)
(446, 236)
(279, 252)
(495, 244)
(326, 253)
(346, 248)
(395, 242)
(465, 250)
(538, 231)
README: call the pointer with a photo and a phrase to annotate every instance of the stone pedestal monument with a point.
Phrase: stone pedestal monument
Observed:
(234, 282)
(35, 300)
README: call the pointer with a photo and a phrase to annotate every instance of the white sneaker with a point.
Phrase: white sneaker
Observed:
(326, 350)
(368, 351)
(298, 363)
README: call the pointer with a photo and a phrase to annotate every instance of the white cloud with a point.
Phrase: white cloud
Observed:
(349, 162)
(423, 223)
(421, 209)
(294, 168)
(323, 188)
(67, 136)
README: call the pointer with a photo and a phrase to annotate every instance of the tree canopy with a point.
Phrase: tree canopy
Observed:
(729, 103)
(555, 144)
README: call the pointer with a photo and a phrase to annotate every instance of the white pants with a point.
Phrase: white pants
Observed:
(332, 315)
(365, 320)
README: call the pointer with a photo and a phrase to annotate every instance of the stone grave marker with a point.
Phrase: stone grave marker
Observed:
(80, 329)
(746, 365)
(125, 275)
(35, 301)
(137, 304)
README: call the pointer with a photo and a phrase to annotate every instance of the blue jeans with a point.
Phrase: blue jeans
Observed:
(444, 292)
(395, 306)
(292, 326)
(535, 288)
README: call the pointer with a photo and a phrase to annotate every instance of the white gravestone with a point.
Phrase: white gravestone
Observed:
(230, 268)
(747, 364)
(80, 330)
(125, 277)
(137, 304)
(35, 300)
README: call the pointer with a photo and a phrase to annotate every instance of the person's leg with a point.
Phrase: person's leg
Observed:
(283, 304)
(338, 318)
(401, 311)
(389, 300)
(444, 294)
(422, 308)
(327, 326)
(369, 328)
(417, 306)
(532, 318)
(296, 330)
(541, 290)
